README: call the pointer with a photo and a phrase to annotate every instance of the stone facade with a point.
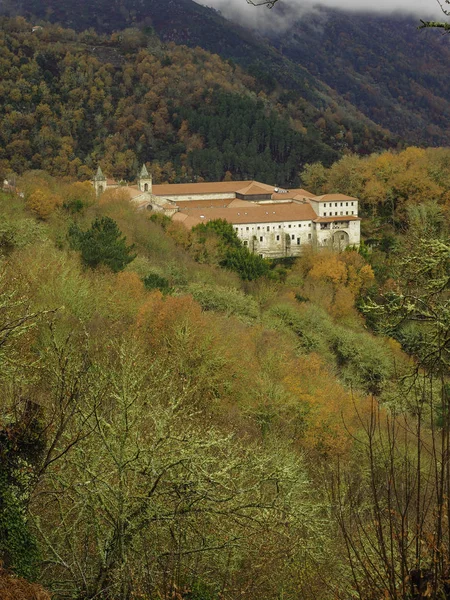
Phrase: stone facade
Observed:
(271, 222)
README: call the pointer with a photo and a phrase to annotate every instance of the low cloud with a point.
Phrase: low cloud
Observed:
(286, 11)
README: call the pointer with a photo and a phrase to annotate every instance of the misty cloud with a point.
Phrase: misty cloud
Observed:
(286, 11)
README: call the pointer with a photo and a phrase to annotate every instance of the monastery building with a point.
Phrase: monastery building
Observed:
(270, 221)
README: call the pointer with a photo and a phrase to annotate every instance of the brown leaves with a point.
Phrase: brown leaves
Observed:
(14, 588)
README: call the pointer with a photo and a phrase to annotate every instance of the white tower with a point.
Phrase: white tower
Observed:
(145, 180)
(99, 181)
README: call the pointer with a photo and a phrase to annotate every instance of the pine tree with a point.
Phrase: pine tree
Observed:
(102, 244)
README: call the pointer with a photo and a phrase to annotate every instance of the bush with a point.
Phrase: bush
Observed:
(227, 300)
(247, 265)
(364, 360)
(153, 281)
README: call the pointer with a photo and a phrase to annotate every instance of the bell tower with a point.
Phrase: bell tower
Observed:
(99, 181)
(145, 180)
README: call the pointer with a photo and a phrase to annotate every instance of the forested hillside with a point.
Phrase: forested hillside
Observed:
(372, 65)
(176, 424)
(70, 101)
(383, 65)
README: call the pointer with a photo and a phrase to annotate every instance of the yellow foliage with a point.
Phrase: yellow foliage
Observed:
(83, 191)
(328, 408)
(42, 202)
(328, 267)
(114, 195)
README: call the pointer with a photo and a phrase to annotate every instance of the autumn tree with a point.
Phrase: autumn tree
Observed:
(43, 203)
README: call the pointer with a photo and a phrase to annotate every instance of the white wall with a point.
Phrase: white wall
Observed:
(343, 209)
(271, 237)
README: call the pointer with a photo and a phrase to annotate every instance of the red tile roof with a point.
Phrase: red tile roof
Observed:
(269, 213)
(333, 197)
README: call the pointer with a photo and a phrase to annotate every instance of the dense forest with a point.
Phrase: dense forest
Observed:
(181, 419)
(373, 66)
(178, 422)
(72, 100)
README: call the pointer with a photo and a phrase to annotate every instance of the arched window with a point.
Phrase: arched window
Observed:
(146, 187)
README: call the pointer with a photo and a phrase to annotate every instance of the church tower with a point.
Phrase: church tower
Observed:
(145, 180)
(99, 182)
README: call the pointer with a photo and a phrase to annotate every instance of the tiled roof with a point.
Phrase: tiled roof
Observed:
(240, 203)
(222, 203)
(298, 193)
(273, 213)
(256, 189)
(215, 187)
(333, 197)
(134, 193)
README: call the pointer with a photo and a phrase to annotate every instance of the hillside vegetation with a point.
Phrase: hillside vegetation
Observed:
(370, 68)
(71, 100)
(170, 429)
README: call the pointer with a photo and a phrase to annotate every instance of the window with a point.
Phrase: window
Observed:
(278, 238)
(293, 236)
(352, 212)
(352, 203)
(341, 203)
(341, 213)
(335, 214)
(261, 238)
(309, 225)
(325, 205)
(247, 228)
(237, 228)
(268, 228)
(346, 204)
(298, 241)
(289, 225)
(258, 228)
(309, 236)
(325, 214)
(245, 243)
(346, 212)
(335, 203)
(146, 187)
(279, 226)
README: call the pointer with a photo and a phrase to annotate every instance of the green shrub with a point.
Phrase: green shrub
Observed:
(153, 281)
(364, 361)
(227, 300)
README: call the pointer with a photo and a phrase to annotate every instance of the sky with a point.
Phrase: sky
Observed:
(259, 16)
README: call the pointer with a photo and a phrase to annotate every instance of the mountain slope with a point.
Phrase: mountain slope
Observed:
(185, 22)
(375, 69)
(388, 69)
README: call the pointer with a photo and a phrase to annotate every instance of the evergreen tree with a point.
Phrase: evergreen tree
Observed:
(102, 244)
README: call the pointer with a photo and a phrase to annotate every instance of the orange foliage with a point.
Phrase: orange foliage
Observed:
(13, 588)
(113, 195)
(160, 317)
(130, 285)
(335, 280)
(329, 267)
(329, 409)
(80, 191)
(42, 202)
